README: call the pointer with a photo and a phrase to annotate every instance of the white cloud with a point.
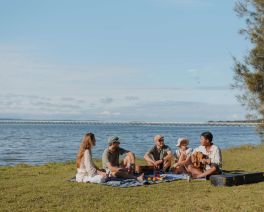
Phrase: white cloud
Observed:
(107, 100)
(109, 113)
(180, 111)
(31, 87)
(37, 107)
(24, 72)
(132, 98)
(192, 71)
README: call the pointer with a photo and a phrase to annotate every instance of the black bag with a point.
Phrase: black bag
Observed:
(231, 179)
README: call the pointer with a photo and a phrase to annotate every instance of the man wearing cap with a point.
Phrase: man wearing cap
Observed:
(159, 156)
(110, 160)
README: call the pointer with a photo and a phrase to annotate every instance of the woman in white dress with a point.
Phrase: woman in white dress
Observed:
(87, 171)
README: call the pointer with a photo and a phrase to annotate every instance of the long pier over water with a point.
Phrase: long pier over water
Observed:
(125, 123)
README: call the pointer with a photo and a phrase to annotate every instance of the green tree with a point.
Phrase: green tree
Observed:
(249, 73)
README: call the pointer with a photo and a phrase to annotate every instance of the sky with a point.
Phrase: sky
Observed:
(140, 60)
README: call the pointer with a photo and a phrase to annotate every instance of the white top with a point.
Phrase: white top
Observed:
(87, 167)
(214, 154)
(187, 152)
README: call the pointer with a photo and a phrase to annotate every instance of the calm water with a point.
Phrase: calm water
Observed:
(42, 143)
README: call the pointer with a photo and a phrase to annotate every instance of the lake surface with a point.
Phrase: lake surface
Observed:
(42, 143)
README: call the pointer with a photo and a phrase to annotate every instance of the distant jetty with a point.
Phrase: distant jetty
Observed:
(94, 122)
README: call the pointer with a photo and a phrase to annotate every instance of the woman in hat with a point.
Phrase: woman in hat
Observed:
(87, 171)
(182, 155)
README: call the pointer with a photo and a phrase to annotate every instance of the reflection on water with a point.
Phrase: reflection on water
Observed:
(42, 143)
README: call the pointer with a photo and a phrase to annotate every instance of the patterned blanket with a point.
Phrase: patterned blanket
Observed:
(125, 183)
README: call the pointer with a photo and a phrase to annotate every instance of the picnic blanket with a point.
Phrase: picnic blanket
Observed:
(125, 183)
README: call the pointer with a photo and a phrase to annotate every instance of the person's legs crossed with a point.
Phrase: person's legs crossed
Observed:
(194, 171)
(126, 175)
(179, 169)
(208, 172)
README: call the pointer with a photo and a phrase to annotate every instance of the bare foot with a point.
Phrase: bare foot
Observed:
(199, 176)
(140, 178)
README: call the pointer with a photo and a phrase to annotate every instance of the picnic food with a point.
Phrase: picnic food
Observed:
(155, 178)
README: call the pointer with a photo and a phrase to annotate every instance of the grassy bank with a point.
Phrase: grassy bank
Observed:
(45, 188)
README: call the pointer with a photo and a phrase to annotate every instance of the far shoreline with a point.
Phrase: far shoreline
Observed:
(98, 122)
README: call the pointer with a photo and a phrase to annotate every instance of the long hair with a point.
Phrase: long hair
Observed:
(87, 143)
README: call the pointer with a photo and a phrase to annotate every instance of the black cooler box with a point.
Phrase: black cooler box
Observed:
(231, 179)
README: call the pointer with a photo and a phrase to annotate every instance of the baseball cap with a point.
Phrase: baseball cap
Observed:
(113, 139)
(158, 137)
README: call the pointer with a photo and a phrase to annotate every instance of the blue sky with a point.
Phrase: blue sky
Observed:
(147, 60)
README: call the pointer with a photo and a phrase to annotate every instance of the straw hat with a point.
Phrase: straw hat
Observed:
(181, 141)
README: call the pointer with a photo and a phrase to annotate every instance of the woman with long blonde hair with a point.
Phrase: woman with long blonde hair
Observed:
(87, 171)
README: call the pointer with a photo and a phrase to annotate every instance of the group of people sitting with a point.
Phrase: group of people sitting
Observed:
(203, 161)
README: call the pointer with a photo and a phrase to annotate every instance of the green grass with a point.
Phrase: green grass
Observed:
(45, 188)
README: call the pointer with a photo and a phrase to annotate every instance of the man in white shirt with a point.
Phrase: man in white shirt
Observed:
(213, 157)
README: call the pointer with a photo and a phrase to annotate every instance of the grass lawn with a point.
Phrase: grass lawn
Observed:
(45, 188)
